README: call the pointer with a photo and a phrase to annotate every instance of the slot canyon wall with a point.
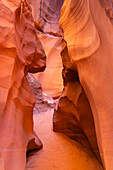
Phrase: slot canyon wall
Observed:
(88, 52)
(46, 17)
(86, 41)
(82, 47)
(20, 52)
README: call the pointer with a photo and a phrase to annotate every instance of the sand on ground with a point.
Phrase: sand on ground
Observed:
(59, 152)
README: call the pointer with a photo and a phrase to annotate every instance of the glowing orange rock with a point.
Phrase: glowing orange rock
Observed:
(20, 52)
(88, 33)
(46, 18)
(51, 78)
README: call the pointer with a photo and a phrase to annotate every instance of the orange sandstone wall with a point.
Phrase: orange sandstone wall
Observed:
(46, 17)
(20, 52)
(88, 35)
(51, 78)
(47, 13)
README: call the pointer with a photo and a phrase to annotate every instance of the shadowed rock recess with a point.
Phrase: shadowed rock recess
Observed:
(73, 40)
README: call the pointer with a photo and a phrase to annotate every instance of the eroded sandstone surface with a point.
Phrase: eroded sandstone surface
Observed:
(88, 35)
(51, 78)
(78, 39)
(20, 52)
(46, 17)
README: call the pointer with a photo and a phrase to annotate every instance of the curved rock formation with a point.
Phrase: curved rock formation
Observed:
(108, 6)
(51, 78)
(80, 33)
(88, 35)
(43, 101)
(84, 111)
(46, 17)
(20, 52)
(73, 115)
(46, 14)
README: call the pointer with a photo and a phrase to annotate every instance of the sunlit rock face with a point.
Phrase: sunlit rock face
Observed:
(88, 35)
(80, 32)
(84, 110)
(51, 78)
(20, 52)
(46, 17)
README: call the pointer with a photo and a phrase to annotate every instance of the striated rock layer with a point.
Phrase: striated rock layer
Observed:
(51, 78)
(46, 18)
(73, 115)
(88, 35)
(20, 52)
(43, 101)
(80, 32)
(46, 15)
(108, 6)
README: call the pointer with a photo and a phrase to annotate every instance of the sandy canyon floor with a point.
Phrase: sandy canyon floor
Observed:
(59, 152)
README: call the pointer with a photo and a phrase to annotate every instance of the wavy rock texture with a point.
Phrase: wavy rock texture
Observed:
(20, 52)
(46, 14)
(73, 115)
(43, 101)
(82, 38)
(108, 6)
(51, 79)
(88, 33)
(46, 17)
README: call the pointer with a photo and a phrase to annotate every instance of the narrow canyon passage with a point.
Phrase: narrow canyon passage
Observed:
(58, 152)
(56, 67)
